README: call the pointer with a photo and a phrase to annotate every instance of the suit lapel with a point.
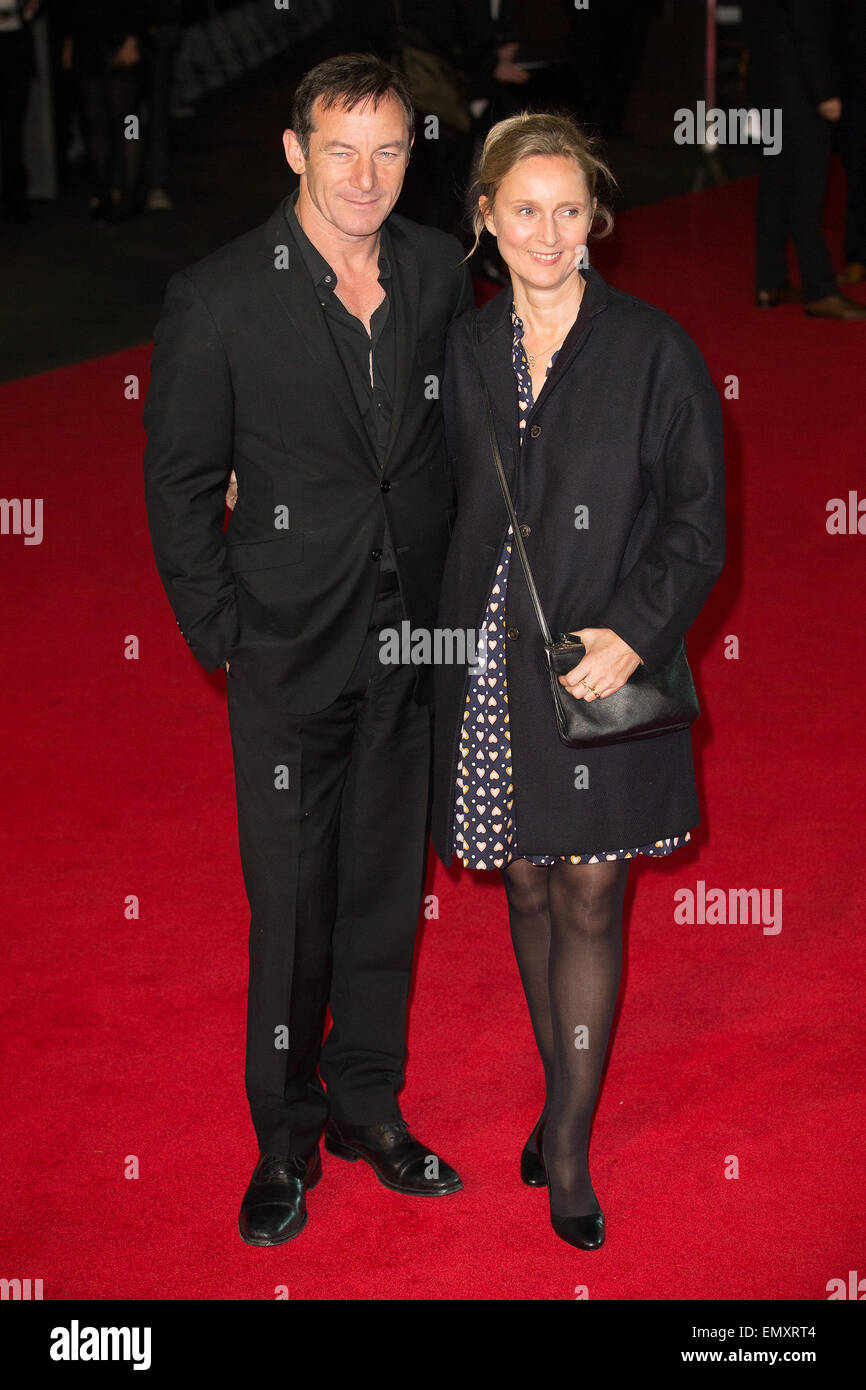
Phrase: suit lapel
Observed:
(493, 355)
(404, 306)
(297, 297)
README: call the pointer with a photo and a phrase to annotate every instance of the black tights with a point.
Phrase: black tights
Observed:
(566, 926)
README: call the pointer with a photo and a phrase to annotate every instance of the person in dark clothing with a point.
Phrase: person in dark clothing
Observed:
(608, 44)
(851, 40)
(164, 33)
(463, 32)
(537, 32)
(791, 68)
(64, 95)
(299, 355)
(17, 69)
(103, 47)
(598, 398)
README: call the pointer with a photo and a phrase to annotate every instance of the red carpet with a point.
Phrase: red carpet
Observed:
(124, 1035)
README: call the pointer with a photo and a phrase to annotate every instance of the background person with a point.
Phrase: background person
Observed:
(103, 48)
(851, 35)
(164, 34)
(791, 67)
(17, 70)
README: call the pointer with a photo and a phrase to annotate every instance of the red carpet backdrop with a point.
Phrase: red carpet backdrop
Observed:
(728, 1148)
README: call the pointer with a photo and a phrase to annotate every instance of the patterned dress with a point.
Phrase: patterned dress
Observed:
(484, 820)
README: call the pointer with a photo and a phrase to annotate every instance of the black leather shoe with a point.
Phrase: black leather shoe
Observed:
(531, 1167)
(274, 1208)
(584, 1232)
(397, 1158)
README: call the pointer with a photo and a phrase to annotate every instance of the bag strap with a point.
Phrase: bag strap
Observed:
(515, 526)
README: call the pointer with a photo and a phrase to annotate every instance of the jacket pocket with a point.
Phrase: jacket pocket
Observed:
(268, 554)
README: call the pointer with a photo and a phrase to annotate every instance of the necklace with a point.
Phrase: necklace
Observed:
(531, 356)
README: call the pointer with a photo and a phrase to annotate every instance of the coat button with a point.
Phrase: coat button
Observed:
(525, 530)
(535, 431)
(514, 633)
(385, 485)
(377, 555)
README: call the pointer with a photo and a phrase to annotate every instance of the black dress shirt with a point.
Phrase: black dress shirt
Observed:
(364, 355)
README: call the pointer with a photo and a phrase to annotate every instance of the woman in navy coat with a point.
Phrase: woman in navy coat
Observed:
(610, 433)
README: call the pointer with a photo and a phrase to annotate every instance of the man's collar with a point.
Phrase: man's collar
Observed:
(322, 273)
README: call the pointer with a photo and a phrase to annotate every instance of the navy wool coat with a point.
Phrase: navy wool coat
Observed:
(619, 489)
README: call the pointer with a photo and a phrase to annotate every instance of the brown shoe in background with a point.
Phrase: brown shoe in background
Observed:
(834, 306)
(854, 272)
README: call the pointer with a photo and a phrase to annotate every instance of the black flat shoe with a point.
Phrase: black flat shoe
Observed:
(531, 1167)
(584, 1232)
(274, 1207)
(398, 1159)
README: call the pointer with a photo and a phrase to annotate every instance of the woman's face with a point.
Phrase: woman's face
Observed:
(540, 216)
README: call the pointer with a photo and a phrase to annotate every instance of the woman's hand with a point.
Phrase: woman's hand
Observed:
(232, 491)
(607, 665)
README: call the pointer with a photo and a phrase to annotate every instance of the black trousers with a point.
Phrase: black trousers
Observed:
(333, 814)
(16, 72)
(107, 98)
(165, 41)
(791, 204)
(852, 147)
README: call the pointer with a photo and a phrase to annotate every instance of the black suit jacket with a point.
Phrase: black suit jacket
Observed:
(244, 375)
(791, 59)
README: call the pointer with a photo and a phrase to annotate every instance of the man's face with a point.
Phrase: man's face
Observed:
(355, 167)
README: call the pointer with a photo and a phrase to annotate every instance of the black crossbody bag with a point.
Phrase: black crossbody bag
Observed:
(646, 706)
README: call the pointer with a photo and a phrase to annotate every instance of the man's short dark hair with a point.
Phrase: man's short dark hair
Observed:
(347, 81)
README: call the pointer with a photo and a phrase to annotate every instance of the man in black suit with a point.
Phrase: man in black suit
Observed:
(305, 357)
(791, 69)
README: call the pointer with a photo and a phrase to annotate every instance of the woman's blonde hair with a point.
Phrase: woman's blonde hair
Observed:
(539, 133)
